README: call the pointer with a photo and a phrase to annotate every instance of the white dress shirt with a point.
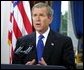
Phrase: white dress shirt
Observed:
(44, 34)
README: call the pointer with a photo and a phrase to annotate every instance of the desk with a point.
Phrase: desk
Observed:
(20, 66)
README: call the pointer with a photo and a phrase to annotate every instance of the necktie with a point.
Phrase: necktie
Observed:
(40, 47)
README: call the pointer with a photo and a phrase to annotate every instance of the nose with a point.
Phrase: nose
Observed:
(38, 18)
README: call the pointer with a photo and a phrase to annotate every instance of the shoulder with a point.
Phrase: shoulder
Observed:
(58, 36)
(25, 38)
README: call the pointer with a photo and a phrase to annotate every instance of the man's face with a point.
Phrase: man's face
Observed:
(41, 20)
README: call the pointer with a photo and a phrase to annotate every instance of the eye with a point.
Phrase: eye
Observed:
(42, 15)
(34, 15)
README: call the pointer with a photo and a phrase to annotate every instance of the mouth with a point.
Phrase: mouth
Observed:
(38, 24)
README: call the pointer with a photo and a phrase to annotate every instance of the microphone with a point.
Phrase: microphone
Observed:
(21, 52)
(28, 50)
(18, 50)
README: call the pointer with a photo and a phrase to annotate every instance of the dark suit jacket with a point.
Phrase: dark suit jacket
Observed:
(57, 51)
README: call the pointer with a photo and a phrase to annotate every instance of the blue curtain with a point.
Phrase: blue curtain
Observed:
(55, 25)
(77, 20)
(77, 17)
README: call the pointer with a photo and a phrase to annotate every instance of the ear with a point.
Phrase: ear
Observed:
(50, 18)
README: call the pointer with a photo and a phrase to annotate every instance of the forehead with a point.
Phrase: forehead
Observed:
(37, 10)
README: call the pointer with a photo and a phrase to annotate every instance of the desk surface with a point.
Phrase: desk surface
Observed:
(20, 66)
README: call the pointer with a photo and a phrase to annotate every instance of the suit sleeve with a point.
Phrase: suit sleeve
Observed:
(16, 59)
(68, 54)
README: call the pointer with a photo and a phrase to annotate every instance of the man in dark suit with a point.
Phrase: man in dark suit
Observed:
(58, 49)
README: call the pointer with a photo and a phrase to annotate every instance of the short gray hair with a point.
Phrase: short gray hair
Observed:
(41, 4)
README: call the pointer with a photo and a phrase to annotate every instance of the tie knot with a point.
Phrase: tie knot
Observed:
(41, 37)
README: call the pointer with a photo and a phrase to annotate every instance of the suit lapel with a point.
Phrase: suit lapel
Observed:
(48, 49)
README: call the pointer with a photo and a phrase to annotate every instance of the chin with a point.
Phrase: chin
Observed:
(38, 29)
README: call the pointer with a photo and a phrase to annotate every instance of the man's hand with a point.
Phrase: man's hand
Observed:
(42, 62)
(30, 62)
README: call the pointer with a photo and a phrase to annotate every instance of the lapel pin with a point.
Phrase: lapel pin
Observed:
(52, 44)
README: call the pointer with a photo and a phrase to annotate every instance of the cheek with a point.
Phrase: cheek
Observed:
(33, 19)
(45, 25)
(46, 22)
